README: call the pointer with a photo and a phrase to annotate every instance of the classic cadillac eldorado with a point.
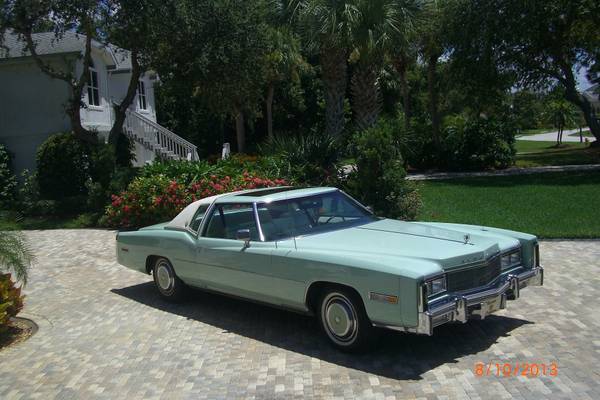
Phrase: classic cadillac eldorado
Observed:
(319, 251)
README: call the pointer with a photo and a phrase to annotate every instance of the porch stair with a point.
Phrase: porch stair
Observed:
(165, 144)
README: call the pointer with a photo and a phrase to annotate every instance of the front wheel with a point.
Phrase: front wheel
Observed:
(169, 286)
(343, 319)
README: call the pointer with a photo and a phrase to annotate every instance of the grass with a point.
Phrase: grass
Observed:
(536, 154)
(552, 205)
(10, 222)
(535, 131)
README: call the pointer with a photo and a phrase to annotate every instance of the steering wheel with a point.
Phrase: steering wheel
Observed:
(332, 217)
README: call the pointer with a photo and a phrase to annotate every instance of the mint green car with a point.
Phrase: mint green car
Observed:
(318, 251)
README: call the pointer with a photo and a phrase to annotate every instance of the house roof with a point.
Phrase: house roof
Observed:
(48, 43)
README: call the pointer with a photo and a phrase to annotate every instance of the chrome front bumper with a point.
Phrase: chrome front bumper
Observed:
(476, 304)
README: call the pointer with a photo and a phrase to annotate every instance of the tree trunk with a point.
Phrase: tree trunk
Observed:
(366, 98)
(76, 84)
(433, 98)
(572, 95)
(269, 104)
(240, 131)
(334, 70)
(401, 67)
(121, 108)
(580, 134)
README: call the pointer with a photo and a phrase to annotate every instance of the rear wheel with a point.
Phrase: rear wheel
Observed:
(343, 319)
(169, 286)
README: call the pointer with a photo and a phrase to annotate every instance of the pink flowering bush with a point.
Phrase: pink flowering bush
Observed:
(157, 198)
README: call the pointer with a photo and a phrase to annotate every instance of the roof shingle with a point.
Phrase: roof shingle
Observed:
(69, 42)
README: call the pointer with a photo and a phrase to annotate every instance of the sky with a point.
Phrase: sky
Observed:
(582, 82)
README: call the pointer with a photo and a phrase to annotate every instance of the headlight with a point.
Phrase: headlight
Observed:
(435, 286)
(511, 259)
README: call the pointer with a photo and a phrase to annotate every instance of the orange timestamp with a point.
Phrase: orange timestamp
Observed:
(530, 370)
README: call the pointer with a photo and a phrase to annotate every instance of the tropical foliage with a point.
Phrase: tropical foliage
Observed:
(15, 258)
(11, 301)
(8, 181)
(157, 198)
(313, 159)
(378, 179)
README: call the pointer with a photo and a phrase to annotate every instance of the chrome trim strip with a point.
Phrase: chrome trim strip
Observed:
(208, 213)
(257, 222)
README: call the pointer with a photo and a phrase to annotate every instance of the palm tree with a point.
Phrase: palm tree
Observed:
(381, 24)
(15, 255)
(432, 48)
(560, 113)
(284, 61)
(403, 54)
(326, 26)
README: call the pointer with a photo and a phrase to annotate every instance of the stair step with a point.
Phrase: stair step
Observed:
(157, 138)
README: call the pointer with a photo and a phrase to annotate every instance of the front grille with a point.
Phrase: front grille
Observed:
(474, 277)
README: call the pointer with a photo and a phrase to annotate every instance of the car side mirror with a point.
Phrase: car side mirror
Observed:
(244, 235)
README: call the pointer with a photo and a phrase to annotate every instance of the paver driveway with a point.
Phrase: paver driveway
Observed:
(105, 334)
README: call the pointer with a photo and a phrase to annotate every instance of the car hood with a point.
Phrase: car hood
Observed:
(448, 247)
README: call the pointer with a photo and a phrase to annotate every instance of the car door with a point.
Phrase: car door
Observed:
(226, 264)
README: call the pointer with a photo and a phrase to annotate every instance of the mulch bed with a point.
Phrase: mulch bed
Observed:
(19, 330)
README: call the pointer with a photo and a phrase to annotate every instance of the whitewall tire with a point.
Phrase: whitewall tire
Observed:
(343, 319)
(169, 286)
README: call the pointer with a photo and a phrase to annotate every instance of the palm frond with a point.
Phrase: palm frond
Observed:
(15, 255)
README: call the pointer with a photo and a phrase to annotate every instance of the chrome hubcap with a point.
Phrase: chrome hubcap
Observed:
(163, 277)
(340, 318)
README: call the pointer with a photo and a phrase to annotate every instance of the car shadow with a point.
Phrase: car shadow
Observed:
(396, 355)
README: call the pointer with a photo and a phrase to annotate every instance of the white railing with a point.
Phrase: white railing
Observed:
(159, 139)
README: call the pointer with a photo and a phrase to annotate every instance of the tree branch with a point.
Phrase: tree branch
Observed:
(121, 108)
(46, 68)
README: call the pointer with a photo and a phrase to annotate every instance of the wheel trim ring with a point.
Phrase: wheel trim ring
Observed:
(342, 306)
(164, 278)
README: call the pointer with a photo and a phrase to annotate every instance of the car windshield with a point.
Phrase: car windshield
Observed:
(311, 214)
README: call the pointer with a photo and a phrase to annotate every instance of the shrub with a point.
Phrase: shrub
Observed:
(73, 176)
(466, 144)
(187, 172)
(313, 159)
(8, 181)
(15, 256)
(379, 177)
(158, 198)
(63, 167)
(478, 143)
(11, 301)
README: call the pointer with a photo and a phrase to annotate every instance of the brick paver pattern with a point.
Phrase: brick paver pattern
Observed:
(104, 333)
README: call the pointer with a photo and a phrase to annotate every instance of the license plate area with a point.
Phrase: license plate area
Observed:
(487, 307)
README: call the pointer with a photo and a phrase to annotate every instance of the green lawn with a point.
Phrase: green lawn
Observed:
(535, 154)
(586, 133)
(552, 205)
(528, 132)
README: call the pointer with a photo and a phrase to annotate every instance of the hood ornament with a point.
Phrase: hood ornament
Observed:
(467, 238)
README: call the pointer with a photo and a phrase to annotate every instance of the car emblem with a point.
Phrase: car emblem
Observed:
(467, 238)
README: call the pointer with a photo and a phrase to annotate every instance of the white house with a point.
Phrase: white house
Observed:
(32, 105)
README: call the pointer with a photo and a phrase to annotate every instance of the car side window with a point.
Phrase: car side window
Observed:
(198, 217)
(226, 219)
